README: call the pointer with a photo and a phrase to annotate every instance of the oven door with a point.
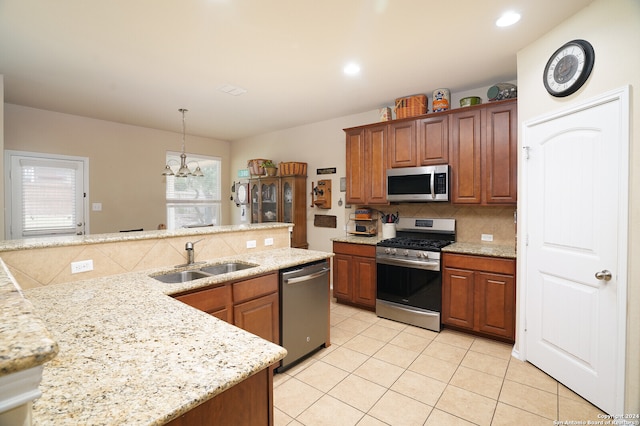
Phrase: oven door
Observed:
(414, 287)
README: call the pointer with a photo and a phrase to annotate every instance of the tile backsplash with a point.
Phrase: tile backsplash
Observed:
(471, 222)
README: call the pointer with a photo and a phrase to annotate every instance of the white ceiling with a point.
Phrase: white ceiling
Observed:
(138, 61)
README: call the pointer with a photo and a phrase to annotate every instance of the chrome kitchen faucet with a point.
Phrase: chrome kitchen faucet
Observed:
(191, 254)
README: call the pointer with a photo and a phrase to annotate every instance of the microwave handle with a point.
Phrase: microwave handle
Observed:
(433, 184)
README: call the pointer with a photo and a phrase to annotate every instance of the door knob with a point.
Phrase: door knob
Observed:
(604, 275)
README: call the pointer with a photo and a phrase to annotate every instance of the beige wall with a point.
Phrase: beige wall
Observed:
(319, 145)
(125, 162)
(613, 28)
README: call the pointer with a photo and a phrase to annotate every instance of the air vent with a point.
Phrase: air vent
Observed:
(232, 90)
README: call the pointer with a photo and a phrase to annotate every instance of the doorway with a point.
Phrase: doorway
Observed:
(575, 205)
(45, 195)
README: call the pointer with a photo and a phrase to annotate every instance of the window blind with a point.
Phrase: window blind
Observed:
(48, 196)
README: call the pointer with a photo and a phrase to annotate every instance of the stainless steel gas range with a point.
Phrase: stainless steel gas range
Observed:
(409, 277)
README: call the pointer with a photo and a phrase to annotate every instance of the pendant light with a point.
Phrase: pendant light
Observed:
(183, 171)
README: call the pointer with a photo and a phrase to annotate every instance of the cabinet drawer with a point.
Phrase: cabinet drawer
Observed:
(480, 263)
(364, 250)
(210, 300)
(254, 287)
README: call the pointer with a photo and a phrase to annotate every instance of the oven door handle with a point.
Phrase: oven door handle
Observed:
(433, 265)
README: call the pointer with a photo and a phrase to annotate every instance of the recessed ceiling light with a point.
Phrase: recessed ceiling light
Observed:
(351, 69)
(508, 18)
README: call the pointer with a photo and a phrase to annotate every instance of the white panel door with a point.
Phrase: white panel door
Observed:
(575, 262)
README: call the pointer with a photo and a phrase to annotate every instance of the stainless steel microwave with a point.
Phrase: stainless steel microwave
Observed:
(418, 184)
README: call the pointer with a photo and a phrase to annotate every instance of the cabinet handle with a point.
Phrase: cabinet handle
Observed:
(306, 277)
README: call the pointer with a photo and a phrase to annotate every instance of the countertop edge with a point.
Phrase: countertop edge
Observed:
(29, 342)
(76, 240)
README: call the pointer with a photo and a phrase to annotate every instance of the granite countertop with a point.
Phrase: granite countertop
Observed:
(25, 341)
(493, 250)
(76, 240)
(357, 239)
(130, 354)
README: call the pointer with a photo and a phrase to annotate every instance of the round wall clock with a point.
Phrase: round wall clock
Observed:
(568, 68)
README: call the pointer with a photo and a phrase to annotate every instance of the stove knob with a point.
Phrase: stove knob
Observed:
(425, 255)
(406, 253)
(393, 251)
(387, 250)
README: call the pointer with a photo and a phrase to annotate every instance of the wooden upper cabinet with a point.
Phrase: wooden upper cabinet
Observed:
(355, 166)
(433, 140)
(500, 154)
(375, 164)
(478, 142)
(466, 157)
(402, 144)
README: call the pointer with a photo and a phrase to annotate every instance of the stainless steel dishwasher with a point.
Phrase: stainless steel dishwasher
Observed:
(304, 310)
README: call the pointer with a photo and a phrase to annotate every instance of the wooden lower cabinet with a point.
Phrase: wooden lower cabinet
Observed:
(247, 403)
(354, 274)
(253, 305)
(250, 304)
(479, 295)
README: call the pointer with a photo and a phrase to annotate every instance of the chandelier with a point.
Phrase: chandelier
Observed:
(184, 170)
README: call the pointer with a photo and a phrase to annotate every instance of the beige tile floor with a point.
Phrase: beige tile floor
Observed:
(380, 372)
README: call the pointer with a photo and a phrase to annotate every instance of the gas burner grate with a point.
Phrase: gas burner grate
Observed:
(414, 243)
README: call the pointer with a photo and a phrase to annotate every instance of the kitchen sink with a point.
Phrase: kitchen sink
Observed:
(180, 277)
(207, 271)
(224, 268)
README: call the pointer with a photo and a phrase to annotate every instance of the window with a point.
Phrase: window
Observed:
(194, 201)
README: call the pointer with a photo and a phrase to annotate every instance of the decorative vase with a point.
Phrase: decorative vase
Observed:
(271, 171)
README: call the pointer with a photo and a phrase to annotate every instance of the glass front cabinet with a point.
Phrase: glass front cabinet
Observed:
(281, 199)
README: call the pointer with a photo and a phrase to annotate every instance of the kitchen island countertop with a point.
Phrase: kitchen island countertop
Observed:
(129, 354)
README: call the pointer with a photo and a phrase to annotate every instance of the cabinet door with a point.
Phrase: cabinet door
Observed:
(364, 281)
(269, 193)
(254, 192)
(465, 157)
(433, 140)
(495, 304)
(355, 167)
(260, 317)
(342, 276)
(458, 297)
(376, 165)
(402, 144)
(294, 208)
(500, 154)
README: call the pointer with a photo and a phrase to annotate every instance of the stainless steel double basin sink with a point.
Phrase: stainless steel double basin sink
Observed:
(205, 271)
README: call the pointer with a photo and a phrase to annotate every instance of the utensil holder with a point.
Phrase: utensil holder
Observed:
(388, 230)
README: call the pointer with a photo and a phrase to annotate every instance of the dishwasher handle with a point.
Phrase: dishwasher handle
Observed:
(309, 277)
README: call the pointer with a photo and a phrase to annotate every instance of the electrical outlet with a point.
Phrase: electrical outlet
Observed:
(486, 237)
(251, 244)
(81, 266)
(268, 241)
